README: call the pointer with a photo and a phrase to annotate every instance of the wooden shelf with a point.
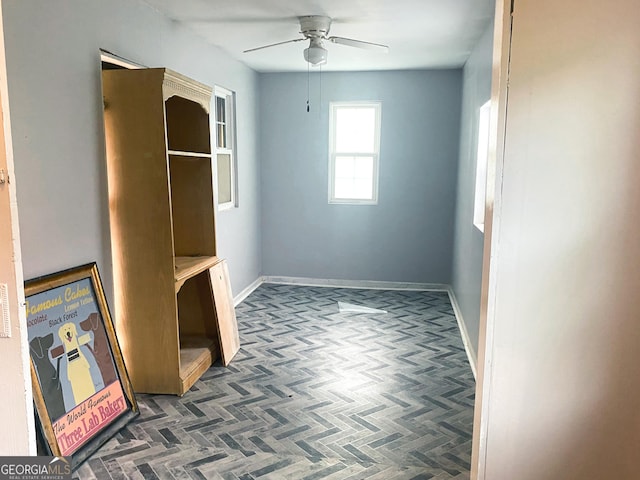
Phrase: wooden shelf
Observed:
(179, 153)
(196, 356)
(163, 230)
(188, 267)
(162, 217)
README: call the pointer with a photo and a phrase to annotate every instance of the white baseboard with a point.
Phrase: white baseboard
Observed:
(367, 284)
(468, 347)
(237, 300)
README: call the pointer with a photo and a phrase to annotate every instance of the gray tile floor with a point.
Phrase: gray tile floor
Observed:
(314, 394)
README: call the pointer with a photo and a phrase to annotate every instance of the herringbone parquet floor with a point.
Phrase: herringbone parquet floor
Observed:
(314, 394)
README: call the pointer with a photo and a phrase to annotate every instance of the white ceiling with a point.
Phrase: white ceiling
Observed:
(420, 33)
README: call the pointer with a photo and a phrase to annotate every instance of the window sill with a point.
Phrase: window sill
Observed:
(351, 201)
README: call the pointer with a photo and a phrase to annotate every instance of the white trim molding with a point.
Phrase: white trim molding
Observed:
(468, 347)
(334, 153)
(239, 298)
(108, 57)
(367, 284)
(227, 145)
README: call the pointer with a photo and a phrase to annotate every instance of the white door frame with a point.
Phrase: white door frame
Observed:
(17, 415)
(499, 91)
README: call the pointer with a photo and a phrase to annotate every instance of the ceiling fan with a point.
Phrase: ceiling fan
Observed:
(315, 28)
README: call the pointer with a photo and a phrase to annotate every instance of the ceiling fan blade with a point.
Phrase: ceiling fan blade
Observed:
(274, 44)
(359, 44)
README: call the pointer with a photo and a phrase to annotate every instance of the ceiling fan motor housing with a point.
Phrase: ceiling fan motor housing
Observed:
(315, 26)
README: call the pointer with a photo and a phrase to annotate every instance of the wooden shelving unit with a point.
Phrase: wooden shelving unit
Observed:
(162, 218)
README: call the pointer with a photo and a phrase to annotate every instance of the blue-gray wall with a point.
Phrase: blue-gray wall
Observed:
(408, 235)
(53, 64)
(469, 241)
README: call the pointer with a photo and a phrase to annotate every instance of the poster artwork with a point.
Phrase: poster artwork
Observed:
(74, 364)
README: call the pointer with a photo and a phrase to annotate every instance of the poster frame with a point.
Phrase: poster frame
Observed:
(59, 289)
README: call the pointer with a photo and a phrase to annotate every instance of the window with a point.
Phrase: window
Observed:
(354, 150)
(481, 166)
(225, 148)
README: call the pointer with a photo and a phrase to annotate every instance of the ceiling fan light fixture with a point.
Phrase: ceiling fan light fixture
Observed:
(316, 54)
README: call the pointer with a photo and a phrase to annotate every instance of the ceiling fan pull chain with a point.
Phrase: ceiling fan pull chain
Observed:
(320, 95)
(308, 75)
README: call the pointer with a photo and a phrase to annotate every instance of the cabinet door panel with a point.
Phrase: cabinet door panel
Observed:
(225, 312)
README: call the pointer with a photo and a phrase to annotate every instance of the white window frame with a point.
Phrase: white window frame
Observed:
(230, 114)
(113, 59)
(333, 108)
(482, 159)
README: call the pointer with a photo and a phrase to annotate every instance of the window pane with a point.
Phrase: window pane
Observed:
(221, 122)
(364, 168)
(362, 189)
(220, 109)
(345, 167)
(343, 188)
(354, 178)
(224, 178)
(355, 129)
(481, 166)
(354, 167)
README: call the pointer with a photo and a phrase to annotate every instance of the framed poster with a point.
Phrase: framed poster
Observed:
(81, 390)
